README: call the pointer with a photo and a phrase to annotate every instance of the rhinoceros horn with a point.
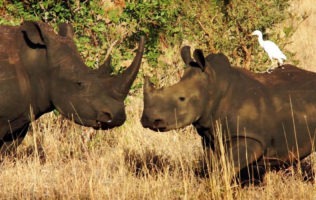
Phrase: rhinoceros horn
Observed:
(126, 79)
(106, 68)
(65, 30)
(148, 85)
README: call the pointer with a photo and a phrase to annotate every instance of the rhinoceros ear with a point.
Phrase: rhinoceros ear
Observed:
(66, 30)
(186, 55)
(199, 58)
(32, 33)
(219, 61)
(106, 68)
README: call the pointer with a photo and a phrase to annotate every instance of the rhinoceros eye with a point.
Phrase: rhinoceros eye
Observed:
(80, 84)
(182, 98)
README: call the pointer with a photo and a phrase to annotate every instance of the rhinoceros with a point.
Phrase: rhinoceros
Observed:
(266, 119)
(41, 71)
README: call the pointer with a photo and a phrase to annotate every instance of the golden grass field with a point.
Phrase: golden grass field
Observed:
(303, 41)
(61, 160)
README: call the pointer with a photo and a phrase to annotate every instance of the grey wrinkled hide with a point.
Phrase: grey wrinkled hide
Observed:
(266, 118)
(41, 71)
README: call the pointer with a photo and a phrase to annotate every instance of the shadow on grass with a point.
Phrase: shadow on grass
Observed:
(151, 163)
(147, 163)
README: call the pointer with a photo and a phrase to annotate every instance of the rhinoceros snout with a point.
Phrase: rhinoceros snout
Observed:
(105, 117)
(156, 124)
(108, 120)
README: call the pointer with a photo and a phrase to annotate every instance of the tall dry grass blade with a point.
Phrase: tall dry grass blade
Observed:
(35, 134)
(295, 136)
(224, 162)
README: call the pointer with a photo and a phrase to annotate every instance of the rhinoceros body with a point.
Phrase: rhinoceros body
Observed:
(41, 71)
(266, 119)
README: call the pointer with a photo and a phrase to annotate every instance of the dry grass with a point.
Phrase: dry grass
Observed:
(60, 160)
(303, 40)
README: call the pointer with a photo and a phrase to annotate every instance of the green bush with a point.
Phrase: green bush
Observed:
(213, 25)
(220, 27)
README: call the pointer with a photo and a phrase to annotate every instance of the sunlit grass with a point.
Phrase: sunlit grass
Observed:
(303, 41)
(59, 159)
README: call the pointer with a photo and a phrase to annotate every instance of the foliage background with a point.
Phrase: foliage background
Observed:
(212, 25)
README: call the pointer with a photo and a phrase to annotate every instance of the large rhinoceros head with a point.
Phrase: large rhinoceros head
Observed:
(92, 98)
(185, 102)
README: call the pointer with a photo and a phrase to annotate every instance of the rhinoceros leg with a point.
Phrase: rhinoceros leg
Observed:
(244, 153)
(10, 142)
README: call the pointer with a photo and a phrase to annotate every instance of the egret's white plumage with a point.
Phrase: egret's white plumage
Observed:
(270, 47)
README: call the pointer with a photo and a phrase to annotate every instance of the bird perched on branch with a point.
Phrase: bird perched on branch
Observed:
(271, 48)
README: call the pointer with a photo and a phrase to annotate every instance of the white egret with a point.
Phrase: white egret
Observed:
(271, 48)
